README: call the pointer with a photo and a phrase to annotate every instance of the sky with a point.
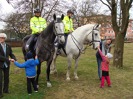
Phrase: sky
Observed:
(5, 6)
(7, 9)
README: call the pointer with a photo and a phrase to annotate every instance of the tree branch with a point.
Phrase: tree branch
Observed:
(51, 9)
(108, 5)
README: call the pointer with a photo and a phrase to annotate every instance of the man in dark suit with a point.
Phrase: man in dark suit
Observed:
(5, 52)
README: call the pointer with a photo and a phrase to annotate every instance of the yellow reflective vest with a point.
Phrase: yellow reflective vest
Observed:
(68, 24)
(37, 24)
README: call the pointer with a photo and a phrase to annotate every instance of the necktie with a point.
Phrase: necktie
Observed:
(4, 48)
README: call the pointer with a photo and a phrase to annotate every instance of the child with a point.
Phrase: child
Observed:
(30, 70)
(105, 68)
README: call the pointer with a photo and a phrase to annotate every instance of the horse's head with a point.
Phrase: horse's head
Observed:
(59, 28)
(94, 36)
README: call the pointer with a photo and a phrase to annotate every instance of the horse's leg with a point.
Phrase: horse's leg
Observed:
(69, 60)
(48, 72)
(75, 69)
(53, 64)
(38, 73)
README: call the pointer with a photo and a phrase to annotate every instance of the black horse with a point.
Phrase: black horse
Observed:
(45, 45)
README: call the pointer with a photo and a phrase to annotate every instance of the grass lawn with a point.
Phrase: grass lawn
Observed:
(87, 87)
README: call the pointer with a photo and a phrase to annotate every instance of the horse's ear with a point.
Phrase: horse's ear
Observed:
(62, 16)
(54, 16)
(97, 26)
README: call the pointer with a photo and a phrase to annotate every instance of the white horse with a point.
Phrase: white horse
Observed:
(75, 45)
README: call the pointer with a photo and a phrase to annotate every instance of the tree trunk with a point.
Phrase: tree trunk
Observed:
(118, 50)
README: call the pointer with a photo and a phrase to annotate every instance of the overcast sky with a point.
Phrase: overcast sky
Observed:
(7, 9)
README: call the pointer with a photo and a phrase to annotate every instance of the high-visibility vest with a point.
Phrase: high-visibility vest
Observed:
(68, 24)
(37, 24)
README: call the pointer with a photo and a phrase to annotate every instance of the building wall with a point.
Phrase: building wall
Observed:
(129, 35)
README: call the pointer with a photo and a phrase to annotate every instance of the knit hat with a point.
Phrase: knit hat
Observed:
(3, 35)
(109, 55)
(29, 55)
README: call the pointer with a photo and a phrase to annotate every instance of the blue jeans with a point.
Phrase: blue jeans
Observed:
(99, 60)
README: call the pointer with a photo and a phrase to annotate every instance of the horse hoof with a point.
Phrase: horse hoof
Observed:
(76, 78)
(68, 79)
(49, 84)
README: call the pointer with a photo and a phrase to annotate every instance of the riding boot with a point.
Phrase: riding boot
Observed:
(58, 51)
(35, 44)
(29, 42)
(66, 35)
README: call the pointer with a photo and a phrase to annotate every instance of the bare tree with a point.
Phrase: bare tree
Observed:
(19, 21)
(120, 19)
(84, 9)
(48, 8)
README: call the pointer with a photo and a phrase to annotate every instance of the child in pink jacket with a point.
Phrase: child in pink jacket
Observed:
(105, 68)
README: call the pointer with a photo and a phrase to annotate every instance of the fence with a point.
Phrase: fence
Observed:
(15, 43)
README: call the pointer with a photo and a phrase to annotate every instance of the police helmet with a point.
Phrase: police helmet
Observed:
(37, 11)
(70, 11)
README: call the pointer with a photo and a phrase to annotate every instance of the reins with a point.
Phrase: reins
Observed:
(90, 43)
(73, 38)
(57, 34)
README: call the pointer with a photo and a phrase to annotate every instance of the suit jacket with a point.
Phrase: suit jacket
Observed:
(4, 58)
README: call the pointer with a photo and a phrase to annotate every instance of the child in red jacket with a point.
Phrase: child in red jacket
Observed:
(105, 68)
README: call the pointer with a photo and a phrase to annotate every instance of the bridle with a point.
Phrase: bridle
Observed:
(58, 35)
(90, 42)
(93, 40)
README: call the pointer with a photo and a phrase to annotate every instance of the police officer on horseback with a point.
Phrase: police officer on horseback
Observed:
(37, 25)
(68, 26)
(68, 22)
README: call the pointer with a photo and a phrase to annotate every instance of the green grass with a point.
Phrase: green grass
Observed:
(87, 87)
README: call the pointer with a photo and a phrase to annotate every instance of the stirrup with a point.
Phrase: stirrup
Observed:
(27, 47)
(58, 52)
(56, 44)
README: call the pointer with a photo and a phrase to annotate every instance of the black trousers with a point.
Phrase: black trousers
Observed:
(4, 74)
(31, 81)
(31, 41)
(66, 35)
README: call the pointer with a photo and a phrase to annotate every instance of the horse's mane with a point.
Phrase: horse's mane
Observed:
(84, 28)
(88, 25)
(48, 30)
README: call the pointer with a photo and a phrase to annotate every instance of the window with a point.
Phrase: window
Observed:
(132, 24)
